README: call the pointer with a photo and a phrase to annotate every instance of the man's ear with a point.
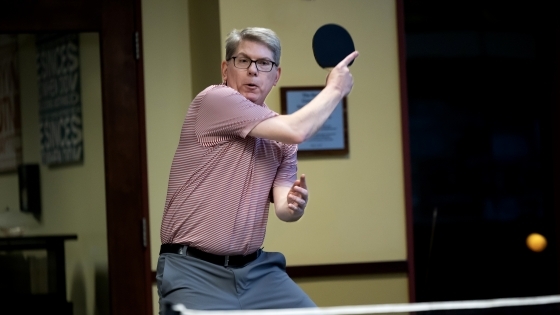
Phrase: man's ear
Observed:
(224, 71)
(278, 72)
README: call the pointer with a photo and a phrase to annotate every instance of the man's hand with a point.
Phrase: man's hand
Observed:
(290, 202)
(340, 77)
(298, 195)
(306, 121)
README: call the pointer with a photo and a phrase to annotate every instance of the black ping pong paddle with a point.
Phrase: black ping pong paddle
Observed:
(331, 44)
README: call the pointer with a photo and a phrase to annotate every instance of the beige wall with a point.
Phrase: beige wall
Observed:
(73, 196)
(356, 212)
(168, 82)
(167, 78)
(205, 38)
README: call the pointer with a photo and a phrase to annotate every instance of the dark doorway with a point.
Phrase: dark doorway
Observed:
(480, 79)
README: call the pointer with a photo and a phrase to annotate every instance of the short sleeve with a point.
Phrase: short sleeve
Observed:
(287, 172)
(224, 114)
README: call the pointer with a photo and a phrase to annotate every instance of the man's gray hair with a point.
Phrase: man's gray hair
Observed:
(256, 34)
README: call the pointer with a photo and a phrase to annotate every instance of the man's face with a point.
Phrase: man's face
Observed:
(251, 83)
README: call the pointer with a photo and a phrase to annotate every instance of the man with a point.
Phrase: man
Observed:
(234, 157)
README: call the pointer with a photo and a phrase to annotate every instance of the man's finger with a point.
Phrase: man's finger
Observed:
(346, 61)
(302, 182)
(296, 183)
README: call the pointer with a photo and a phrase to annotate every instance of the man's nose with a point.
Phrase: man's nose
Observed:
(253, 67)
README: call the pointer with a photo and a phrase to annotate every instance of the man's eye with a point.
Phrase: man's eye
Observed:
(263, 63)
(243, 60)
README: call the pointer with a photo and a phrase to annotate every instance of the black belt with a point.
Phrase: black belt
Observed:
(237, 260)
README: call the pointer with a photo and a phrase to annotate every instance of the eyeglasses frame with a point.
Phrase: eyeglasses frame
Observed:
(256, 65)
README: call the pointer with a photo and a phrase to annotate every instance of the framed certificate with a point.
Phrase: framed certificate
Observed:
(332, 138)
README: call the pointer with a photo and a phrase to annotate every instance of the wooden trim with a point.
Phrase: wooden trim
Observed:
(373, 268)
(406, 152)
(143, 152)
(556, 141)
(125, 160)
(342, 270)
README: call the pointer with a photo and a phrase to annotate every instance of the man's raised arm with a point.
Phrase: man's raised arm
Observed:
(304, 123)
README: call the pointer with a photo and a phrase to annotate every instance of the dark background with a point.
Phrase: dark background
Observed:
(481, 79)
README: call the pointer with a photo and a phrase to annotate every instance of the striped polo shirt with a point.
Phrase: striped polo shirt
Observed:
(220, 179)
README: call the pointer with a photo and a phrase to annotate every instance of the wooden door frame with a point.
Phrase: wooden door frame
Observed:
(118, 23)
(407, 171)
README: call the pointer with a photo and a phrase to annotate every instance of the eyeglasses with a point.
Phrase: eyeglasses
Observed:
(263, 65)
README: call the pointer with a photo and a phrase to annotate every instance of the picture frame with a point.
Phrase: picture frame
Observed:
(332, 137)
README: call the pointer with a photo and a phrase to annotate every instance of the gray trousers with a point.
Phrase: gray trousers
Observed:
(197, 284)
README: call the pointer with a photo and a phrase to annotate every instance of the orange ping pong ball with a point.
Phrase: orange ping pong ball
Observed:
(536, 242)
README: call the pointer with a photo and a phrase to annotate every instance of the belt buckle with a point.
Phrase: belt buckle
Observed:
(226, 261)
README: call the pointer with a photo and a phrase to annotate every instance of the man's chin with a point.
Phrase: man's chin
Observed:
(251, 97)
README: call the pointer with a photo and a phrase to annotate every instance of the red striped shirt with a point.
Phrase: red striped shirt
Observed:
(220, 179)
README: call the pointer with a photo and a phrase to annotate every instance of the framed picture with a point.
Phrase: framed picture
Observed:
(332, 138)
(60, 99)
